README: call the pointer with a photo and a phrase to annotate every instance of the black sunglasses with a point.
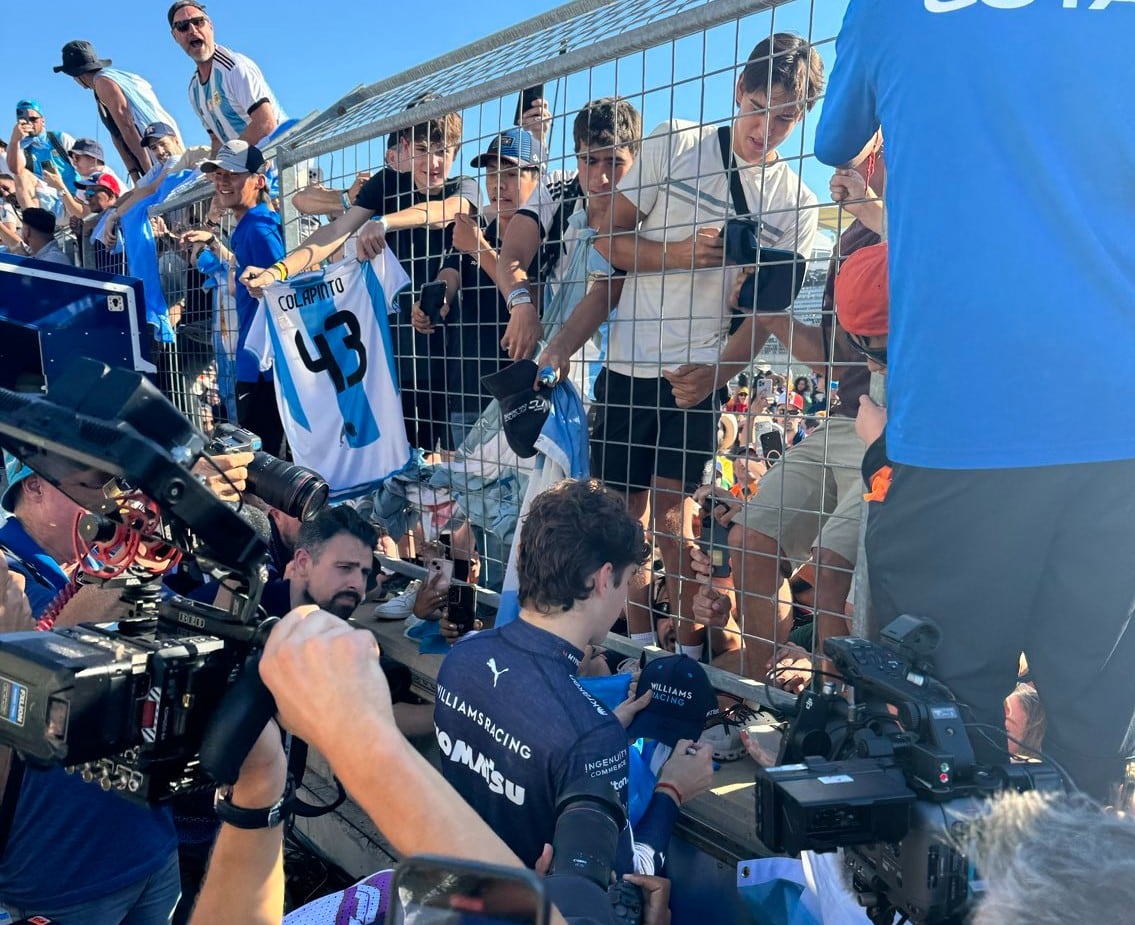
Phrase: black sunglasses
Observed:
(878, 355)
(184, 25)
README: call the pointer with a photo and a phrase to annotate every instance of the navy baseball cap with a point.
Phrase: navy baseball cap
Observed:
(523, 410)
(88, 146)
(516, 147)
(235, 156)
(156, 130)
(683, 698)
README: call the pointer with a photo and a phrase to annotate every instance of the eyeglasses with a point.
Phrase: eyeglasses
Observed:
(875, 355)
(185, 25)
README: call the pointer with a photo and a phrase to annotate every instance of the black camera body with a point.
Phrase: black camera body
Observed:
(164, 699)
(891, 779)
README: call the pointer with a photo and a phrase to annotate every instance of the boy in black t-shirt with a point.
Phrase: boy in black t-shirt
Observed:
(412, 211)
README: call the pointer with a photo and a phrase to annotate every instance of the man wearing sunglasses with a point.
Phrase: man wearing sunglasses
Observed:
(33, 150)
(228, 92)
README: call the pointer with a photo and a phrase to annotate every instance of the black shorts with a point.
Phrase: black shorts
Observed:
(638, 432)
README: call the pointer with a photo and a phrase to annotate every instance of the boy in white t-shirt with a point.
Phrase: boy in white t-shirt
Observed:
(671, 349)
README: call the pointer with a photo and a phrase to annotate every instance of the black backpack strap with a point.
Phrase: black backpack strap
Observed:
(725, 138)
(552, 248)
(57, 144)
(297, 765)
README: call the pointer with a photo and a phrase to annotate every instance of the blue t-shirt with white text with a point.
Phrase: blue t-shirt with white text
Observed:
(1010, 201)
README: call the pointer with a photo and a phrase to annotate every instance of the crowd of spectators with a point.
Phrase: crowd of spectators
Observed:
(728, 508)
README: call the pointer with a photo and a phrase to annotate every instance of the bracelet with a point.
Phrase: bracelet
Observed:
(520, 296)
(283, 270)
(345, 198)
(673, 788)
(381, 221)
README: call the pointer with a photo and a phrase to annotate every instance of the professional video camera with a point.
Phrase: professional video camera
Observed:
(166, 698)
(891, 777)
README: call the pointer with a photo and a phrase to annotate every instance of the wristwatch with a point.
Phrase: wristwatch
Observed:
(242, 818)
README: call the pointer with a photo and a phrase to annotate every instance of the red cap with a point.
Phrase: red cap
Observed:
(794, 399)
(862, 296)
(106, 180)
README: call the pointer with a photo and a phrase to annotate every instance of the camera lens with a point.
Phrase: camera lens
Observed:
(589, 819)
(298, 492)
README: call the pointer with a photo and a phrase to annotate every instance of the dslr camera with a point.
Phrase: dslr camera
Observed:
(297, 491)
(890, 777)
(164, 698)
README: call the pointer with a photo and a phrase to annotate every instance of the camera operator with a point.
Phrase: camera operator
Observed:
(331, 692)
(68, 850)
(515, 728)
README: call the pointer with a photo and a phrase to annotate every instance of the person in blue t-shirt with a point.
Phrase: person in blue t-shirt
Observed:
(516, 729)
(992, 532)
(72, 852)
(238, 173)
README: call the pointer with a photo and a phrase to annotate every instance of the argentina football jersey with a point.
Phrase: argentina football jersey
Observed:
(327, 337)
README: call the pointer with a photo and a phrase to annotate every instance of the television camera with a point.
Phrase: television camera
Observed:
(890, 776)
(165, 699)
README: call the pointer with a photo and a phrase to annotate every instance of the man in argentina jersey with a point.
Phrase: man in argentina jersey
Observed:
(126, 102)
(327, 336)
(229, 94)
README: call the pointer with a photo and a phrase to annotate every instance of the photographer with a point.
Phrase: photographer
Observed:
(331, 692)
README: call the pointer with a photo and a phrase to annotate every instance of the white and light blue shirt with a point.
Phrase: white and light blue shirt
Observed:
(234, 87)
(143, 102)
(327, 337)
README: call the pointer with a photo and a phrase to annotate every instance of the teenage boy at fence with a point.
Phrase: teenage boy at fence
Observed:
(414, 219)
(670, 350)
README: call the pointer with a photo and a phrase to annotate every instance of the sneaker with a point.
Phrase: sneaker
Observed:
(400, 606)
(723, 732)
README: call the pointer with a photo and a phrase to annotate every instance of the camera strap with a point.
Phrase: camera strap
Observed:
(297, 765)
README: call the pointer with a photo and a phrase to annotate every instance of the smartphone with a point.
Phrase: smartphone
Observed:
(440, 573)
(462, 606)
(772, 446)
(428, 889)
(524, 102)
(715, 540)
(432, 299)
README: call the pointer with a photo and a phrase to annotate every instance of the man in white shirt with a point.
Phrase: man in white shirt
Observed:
(673, 345)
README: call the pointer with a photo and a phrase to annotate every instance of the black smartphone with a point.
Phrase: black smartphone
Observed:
(714, 540)
(772, 446)
(462, 608)
(428, 889)
(432, 300)
(524, 102)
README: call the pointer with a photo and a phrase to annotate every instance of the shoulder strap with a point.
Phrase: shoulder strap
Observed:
(57, 144)
(725, 138)
(553, 246)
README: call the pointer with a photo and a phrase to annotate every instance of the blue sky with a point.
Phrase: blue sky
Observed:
(312, 54)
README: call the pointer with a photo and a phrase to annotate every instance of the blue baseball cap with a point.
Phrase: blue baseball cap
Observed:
(516, 147)
(683, 698)
(89, 147)
(16, 471)
(156, 130)
(23, 107)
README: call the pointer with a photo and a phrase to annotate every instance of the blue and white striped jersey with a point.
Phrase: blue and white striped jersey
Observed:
(327, 337)
(235, 86)
(144, 105)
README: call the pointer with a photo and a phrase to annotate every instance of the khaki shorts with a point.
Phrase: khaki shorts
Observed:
(814, 496)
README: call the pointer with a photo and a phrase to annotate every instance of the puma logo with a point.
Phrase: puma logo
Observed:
(492, 663)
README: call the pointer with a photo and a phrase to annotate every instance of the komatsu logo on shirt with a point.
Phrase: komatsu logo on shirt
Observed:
(459, 752)
(320, 292)
(951, 6)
